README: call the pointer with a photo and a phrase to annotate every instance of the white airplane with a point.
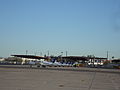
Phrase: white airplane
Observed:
(32, 62)
(45, 63)
(54, 64)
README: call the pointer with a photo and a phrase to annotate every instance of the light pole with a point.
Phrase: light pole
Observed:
(48, 53)
(26, 52)
(40, 53)
(35, 53)
(66, 53)
(107, 55)
(61, 55)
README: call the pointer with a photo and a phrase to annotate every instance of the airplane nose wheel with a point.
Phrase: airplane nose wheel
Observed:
(38, 65)
(43, 66)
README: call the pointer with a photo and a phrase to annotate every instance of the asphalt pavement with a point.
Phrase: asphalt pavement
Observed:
(58, 78)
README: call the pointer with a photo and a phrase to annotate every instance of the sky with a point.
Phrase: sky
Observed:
(80, 27)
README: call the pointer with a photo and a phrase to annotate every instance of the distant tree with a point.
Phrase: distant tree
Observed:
(90, 56)
(14, 60)
(113, 57)
(106, 62)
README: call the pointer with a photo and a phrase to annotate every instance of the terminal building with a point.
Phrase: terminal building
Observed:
(78, 60)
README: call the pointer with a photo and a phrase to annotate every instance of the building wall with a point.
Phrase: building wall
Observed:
(95, 62)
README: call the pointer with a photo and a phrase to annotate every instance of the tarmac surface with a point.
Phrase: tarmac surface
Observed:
(62, 78)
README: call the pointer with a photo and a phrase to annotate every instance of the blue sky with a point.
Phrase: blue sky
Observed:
(81, 27)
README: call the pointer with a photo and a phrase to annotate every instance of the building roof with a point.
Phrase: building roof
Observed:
(116, 60)
(76, 58)
(29, 56)
(82, 58)
(96, 58)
